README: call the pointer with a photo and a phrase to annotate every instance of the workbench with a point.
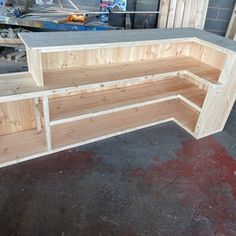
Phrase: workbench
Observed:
(88, 86)
(48, 23)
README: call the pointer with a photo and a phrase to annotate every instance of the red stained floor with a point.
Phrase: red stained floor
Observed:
(157, 181)
(206, 173)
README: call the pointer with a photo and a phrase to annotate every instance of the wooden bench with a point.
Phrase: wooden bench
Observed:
(82, 87)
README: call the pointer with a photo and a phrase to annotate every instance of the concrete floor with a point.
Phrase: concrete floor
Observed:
(156, 181)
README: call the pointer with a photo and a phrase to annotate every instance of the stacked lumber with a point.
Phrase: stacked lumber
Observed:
(182, 13)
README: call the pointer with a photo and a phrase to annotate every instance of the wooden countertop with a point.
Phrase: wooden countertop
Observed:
(50, 41)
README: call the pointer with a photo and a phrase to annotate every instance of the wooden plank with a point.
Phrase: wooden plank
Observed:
(171, 14)
(47, 123)
(192, 14)
(38, 115)
(201, 13)
(184, 13)
(231, 31)
(163, 16)
(187, 13)
(204, 14)
(179, 13)
(86, 129)
(35, 65)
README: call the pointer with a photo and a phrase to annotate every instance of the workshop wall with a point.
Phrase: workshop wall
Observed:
(90, 3)
(218, 16)
(146, 20)
(139, 20)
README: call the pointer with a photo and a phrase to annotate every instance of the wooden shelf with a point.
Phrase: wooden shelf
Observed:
(115, 72)
(84, 92)
(22, 144)
(66, 107)
(123, 121)
(23, 83)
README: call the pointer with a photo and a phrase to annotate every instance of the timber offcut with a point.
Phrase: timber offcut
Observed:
(87, 86)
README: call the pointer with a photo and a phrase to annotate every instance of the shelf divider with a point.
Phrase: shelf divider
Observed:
(47, 123)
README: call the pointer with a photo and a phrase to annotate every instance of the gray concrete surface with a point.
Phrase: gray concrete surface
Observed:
(155, 181)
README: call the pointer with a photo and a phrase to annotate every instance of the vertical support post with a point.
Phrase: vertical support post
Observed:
(47, 123)
(35, 66)
(37, 115)
(218, 103)
(127, 21)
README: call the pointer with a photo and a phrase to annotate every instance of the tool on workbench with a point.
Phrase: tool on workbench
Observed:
(81, 19)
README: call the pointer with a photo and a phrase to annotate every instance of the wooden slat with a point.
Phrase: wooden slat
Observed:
(201, 12)
(231, 31)
(179, 13)
(87, 103)
(163, 16)
(100, 126)
(187, 13)
(183, 13)
(47, 123)
(35, 65)
(171, 14)
(204, 14)
(193, 14)
(115, 55)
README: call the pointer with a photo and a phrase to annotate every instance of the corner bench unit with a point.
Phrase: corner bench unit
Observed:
(108, 83)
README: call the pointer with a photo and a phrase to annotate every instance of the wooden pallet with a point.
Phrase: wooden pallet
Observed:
(87, 91)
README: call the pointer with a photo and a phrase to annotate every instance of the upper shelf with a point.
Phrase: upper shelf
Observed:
(115, 72)
(23, 83)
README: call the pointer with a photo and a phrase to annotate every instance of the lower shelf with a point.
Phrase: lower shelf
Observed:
(22, 144)
(26, 145)
(128, 120)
